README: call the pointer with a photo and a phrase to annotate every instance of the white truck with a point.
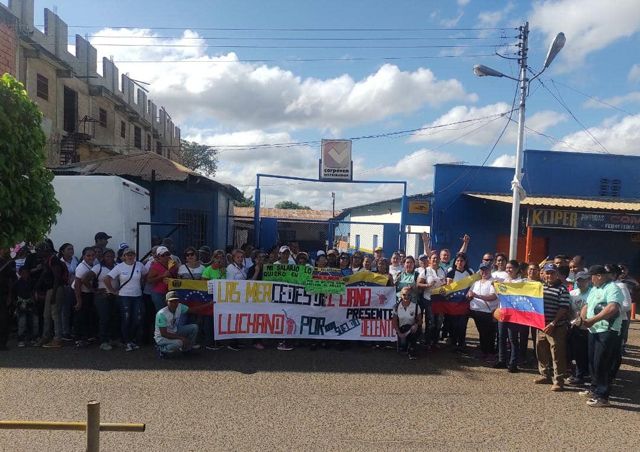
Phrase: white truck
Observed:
(92, 204)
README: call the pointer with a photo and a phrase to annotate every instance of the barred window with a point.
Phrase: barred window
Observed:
(42, 87)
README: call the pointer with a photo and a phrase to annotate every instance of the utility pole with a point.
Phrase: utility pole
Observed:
(333, 204)
(516, 183)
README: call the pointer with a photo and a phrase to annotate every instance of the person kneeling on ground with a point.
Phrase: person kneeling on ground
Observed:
(407, 316)
(169, 336)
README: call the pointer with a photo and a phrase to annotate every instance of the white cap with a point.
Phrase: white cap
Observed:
(162, 250)
(284, 248)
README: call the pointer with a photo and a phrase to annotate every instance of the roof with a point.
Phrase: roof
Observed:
(140, 165)
(285, 214)
(629, 205)
(377, 203)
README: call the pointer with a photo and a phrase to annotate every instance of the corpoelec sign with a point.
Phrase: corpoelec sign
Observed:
(575, 219)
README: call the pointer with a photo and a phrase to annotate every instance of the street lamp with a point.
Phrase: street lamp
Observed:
(484, 71)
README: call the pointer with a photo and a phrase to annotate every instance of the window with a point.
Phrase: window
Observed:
(123, 129)
(42, 87)
(70, 110)
(137, 137)
(147, 145)
(195, 233)
(158, 147)
(375, 241)
(357, 242)
(615, 188)
(610, 188)
(103, 117)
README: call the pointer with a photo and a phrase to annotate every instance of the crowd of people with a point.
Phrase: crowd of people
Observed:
(115, 298)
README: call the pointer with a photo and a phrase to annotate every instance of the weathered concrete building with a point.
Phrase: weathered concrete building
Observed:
(86, 115)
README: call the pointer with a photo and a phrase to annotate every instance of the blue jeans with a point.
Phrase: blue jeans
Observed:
(131, 318)
(509, 331)
(604, 349)
(166, 345)
(158, 300)
(66, 312)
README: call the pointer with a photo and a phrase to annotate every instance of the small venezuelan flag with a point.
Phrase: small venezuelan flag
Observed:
(193, 293)
(521, 303)
(451, 299)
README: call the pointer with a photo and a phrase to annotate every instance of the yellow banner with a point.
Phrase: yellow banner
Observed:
(456, 286)
(368, 277)
(188, 284)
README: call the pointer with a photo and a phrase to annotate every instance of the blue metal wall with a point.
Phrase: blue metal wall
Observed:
(549, 173)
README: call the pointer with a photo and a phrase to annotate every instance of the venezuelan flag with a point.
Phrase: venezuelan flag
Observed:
(366, 278)
(451, 299)
(521, 303)
(193, 293)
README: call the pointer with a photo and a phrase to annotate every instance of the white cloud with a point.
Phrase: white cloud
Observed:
(589, 25)
(491, 19)
(616, 101)
(252, 95)
(453, 21)
(617, 135)
(634, 73)
(483, 132)
(505, 161)
(417, 166)
(463, 2)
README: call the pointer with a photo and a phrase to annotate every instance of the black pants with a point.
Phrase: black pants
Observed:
(604, 349)
(486, 326)
(85, 319)
(458, 326)
(408, 343)
(4, 320)
(579, 351)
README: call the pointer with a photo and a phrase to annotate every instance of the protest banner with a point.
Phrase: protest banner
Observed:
(294, 274)
(280, 310)
(521, 303)
(451, 298)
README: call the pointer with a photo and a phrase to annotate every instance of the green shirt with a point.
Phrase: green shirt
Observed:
(604, 295)
(213, 273)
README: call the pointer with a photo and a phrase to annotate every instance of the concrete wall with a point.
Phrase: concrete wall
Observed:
(8, 42)
(47, 54)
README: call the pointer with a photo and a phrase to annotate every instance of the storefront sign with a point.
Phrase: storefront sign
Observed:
(573, 219)
(335, 160)
(419, 207)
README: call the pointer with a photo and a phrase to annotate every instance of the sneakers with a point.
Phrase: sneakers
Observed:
(233, 348)
(195, 347)
(598, 403)
(513, 369)
(258, 346)
(542, 381)
(106, 346)
(54, 343)
(81, 344)
(67, 338)
(500, 365)
(21, 344)
(557, 387)
(587, 393)
(213, 347)
(282, 346)
(130, 347)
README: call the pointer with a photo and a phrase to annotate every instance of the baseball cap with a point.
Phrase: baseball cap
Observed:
(123, 245)
(332, 252)
(284, 249)
(205, 249)
(582, 275)
(162, 250)
(378, 248)
(597, 270)
(102, 236)
(484, 265)
(320, 253)
(171, 295)
(423, 256)
(128, 250)
(549, 267)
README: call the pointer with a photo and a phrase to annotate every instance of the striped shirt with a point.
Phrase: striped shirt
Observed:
(555, 297)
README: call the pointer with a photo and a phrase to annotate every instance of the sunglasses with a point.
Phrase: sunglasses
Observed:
(190, 254)
(166, 255)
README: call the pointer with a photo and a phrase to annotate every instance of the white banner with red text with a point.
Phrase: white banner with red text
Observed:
(277, 310)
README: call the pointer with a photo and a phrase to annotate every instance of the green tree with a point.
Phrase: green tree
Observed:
(28, 206)
(199, 157)
(291, 205)
(245, 201)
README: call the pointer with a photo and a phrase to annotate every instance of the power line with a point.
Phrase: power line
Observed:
(591, 97)
(273, 38)
(302, 30)
(246, 46)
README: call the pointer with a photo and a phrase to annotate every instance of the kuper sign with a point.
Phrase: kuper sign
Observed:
(571, 219)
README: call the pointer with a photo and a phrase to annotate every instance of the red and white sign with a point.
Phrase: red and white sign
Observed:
(335, 160)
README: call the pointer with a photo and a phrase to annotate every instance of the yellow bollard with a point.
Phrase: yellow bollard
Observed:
(93, 426)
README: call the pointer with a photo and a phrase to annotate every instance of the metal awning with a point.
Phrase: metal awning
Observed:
(562, 202)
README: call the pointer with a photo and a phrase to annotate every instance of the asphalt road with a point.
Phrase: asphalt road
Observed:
(357, 399)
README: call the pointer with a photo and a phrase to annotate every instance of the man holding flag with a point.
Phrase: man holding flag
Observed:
(551, 347)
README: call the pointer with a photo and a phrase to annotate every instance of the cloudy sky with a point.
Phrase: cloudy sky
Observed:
(240, 74)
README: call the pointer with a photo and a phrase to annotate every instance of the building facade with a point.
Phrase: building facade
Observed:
(86, 115)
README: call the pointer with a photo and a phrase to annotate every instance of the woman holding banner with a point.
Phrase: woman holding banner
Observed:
(483, 301)
(383, 269)
(458, 322)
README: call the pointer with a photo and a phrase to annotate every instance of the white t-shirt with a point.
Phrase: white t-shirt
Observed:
(101, 272)
(196, 273)
(147, 287)
(71, 267)
(169, 320)
(483, 287)
(626, 302)
(406, 315)
(499, 275)
(122, 272)
(436, 277)
(395, 269)
(81, 271)
(235, 272)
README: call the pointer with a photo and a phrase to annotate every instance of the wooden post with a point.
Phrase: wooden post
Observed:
(93, 426)
(528, 244)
